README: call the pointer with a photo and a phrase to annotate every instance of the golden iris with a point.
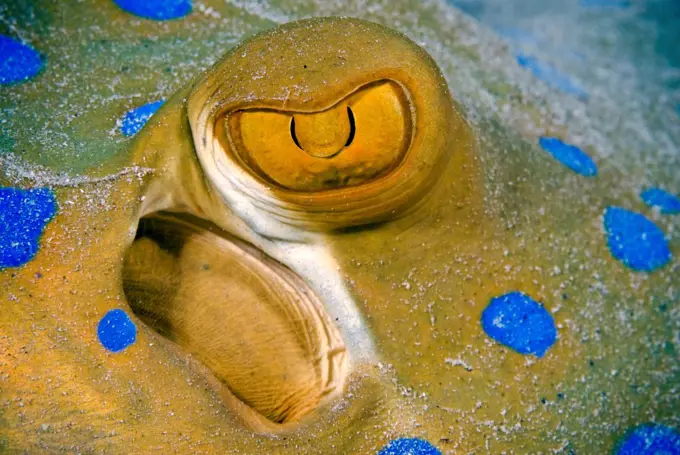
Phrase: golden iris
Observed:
(360, 138)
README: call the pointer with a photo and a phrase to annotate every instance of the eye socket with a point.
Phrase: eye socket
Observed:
(361, 138)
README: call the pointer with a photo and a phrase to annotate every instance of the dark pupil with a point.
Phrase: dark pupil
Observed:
(352, 129)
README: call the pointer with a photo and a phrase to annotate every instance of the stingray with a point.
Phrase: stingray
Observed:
(310, 248)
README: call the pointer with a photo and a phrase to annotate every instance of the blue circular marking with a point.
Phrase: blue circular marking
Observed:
(156, 9)
(650, 439)
(519, 322)
(23, 217)
(409, 446)
(569, 155)
(551, 76)
(668, 203)
(134, 120)
(116, 331)
(634, 240)
(18, 61)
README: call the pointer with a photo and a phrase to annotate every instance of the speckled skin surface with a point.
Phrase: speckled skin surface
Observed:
(504, 216)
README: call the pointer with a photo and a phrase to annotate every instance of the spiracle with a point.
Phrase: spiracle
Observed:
(252, 321)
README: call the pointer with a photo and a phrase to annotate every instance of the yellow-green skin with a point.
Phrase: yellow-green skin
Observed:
(517, 220)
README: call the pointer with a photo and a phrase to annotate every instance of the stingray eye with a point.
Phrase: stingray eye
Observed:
(349, 142)
(359, 139)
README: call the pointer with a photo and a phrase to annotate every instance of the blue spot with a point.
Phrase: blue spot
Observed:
(519, 322)
(650, 439)
(569, 155)
(134, 120)
(409, 446)
(116, 331)
(156, 9)
(551, 76)
(667, 203)
(605, 3)
(23, 217)
(18, 61)
(634, 240)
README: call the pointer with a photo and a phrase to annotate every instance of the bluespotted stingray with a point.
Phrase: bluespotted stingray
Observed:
(318, 237)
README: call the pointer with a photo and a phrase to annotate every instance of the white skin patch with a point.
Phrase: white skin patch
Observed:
(302, 251)
(316, 266)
